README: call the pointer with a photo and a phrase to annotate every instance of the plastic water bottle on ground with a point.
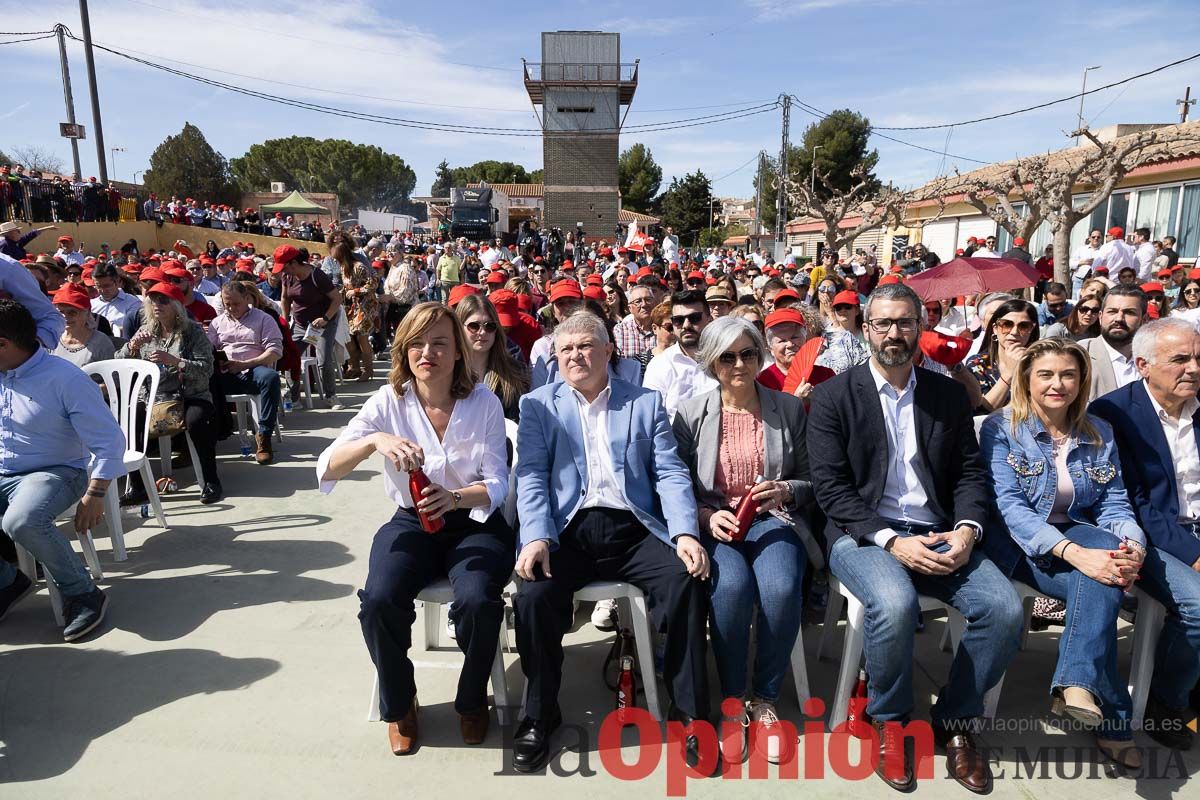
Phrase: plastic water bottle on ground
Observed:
(286, 390)
(245, 440)
(145, 511)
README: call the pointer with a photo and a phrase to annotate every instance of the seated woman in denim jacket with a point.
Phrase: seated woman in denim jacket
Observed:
(1072, 533)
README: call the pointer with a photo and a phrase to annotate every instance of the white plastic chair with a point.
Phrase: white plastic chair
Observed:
(1151, 616)
(247, 406)
(164, 452)
(27, 564)
(852, 647)
(310, 363)
(635, 602)
(125, 379)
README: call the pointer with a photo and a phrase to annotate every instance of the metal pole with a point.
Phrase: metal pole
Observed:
(67, 97)
(90, 61)
(758, 197)
(1185, 104)
(812, 178)
(1082, 94)
(781, 205)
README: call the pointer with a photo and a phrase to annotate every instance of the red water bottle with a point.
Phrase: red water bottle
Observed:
(417, 482)
(856, 722)
(626, 690)
(747, 510)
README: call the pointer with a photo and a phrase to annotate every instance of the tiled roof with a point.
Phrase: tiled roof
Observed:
(625, 216)
(515, 189)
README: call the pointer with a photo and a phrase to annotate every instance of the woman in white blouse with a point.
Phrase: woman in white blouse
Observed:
(432, 415)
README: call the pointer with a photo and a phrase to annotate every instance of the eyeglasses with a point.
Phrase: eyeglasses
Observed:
(1191, 291)
(1057, 306)
(1006, 326)
(642, 301)
(486, 327)
(842, 307)
(668, 327)
(1089, 310)
(748, 356)
(160, 299)
(883, 325)
(693, 319)
(74, 274)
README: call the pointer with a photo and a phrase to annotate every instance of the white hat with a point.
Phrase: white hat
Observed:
(9, 227)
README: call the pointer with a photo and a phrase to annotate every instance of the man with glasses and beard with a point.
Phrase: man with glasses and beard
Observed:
(904, 519)
(1111, 352)
(674, 372)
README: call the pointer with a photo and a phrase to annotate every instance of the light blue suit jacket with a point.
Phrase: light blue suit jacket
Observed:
(552, 464)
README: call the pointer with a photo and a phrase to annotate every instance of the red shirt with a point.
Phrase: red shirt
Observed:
(1045, 268)
(525, 333)
(772, 377)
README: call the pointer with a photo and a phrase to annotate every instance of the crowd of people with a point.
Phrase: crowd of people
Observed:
(709, 426)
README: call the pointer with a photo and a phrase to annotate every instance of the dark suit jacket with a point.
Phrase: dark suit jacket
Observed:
(1147, 468)
(848, 452)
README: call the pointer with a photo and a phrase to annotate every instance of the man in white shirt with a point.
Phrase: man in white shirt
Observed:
(112, 304)
(670, 245)
(1113, 366)
(1144, 252)
(1115, 254)
(68, 252)
(987, 250)
(488, 256)
(674, 372)
(1081, 261)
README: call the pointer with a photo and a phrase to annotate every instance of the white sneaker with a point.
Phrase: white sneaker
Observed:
(335, 404)
(734, 752)
(767, 735)
(451, 631)
(604, 615)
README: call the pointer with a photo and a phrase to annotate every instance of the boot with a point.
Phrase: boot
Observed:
(265, 454)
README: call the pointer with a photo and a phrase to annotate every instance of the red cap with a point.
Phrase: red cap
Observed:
(168, 289)
(972, 239)
(497, 277)
(65, 239)
(223, 260)
(959, 252)
(695, 275)
(786, 294)
(846, 297)
(1101, 270)
(505, 303)
(566, 289)
(132, 269)
(889, 279)
(1165, 272)
(1152, 286)
(72, 295)
(153, 274)
(1194, 273)
(594, 280)
(944, 349)
(284, 254)
(594, 293)
(459, 292)
(1117, 232)
(567, 265)
(1019, 241)
(177, 272)
(784, 315)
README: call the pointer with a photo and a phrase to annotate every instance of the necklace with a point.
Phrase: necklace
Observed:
(1056, 443)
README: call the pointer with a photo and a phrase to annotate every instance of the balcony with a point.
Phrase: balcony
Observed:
(539, 76)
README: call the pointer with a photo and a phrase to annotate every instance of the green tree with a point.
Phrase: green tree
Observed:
(491, 172)
(443, 179)
(685, 205)
(537, 176)
(639, 178)
(361, 175)
(711, 237)
(188, 166)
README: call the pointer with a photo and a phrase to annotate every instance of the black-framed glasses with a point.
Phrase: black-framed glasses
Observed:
(883, 325)
(1089, 310)
(842, 307)
(693, 319)
(487, 326)
(749, 356)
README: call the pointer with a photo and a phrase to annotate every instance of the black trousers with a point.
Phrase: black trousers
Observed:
(607, 544)
(477, 558)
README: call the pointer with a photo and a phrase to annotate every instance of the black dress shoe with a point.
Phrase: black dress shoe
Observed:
(1166, 725)
(531, 746)
(212, 493)
(691, 744)
(136, 496)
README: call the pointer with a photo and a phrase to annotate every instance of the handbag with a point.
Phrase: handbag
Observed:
(166, 417)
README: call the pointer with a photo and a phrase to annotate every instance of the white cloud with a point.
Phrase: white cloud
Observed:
(779, 9)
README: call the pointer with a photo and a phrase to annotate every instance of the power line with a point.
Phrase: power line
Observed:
(23, 33)
(1047, 104)
(752, 159)
(29, 39)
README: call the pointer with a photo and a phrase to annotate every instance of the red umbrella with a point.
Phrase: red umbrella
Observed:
(964, 276)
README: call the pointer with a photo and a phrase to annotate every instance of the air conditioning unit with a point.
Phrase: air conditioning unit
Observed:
(278, 187)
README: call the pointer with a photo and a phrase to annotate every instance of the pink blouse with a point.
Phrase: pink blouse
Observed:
(739, 454)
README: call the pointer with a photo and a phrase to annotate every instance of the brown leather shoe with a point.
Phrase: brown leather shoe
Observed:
(964, 762)
(402, 735)
(474, 726)
(266, 453)
(893, 753)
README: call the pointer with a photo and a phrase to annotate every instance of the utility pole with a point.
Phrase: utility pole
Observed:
(1185, 104)
(758, 195)
(1082, 94)
(781, 204)
(90, 60)
(67, 96)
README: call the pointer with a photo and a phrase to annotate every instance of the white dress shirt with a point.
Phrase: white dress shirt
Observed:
(1144, 254)
(676, 376)
(603, 490)
(1116, 255)
(1181, 439)
(473, 451)
(117, 309)
(1123, 368)
(1085, 252)
(983, 252)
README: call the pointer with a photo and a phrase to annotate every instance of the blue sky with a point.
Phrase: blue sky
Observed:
(901, 63)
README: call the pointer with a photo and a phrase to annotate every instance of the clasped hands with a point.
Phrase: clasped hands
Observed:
(917, 553)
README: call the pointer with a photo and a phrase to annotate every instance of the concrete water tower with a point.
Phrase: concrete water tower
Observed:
(582, 87)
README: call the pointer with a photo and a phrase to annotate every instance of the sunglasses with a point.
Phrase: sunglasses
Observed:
(1191, 291)
(74, 274)
(160, 299)
(748, 356)
(1057, 306)
(486, 327)
(1095, 309)
(1006, 325)
(841, 307)
(692, 319)
(828, 290)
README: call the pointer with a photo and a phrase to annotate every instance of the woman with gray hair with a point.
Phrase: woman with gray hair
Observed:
(745, 442)
(184, 356)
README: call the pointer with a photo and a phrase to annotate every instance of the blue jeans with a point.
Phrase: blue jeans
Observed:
(328, 345)
(261, 381)
(764, 569)
(1087, 649)
(1177, 664)
(888, 591)
(30, 503)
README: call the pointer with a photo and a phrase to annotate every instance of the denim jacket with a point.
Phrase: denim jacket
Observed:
(1026, 482)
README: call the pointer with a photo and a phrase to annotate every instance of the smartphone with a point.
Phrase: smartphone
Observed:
(939, 547)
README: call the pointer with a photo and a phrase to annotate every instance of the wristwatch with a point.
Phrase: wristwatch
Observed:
(457, 499)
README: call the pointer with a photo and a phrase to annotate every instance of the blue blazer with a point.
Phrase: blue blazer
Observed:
(552, 465)
(1147, 468)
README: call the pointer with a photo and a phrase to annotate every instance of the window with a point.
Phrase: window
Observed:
(576, 109)
(1189, 227)
(1118, 211)
(1165, 213)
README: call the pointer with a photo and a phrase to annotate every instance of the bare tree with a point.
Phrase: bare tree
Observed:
(990, 194)
(886, 206)
(37, 159)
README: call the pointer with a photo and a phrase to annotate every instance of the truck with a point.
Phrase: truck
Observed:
(383, 222)
(478, 213)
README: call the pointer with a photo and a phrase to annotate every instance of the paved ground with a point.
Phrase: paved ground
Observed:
(233, 666)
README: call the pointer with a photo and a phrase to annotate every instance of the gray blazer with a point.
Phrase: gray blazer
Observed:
(697, 429)
(1104, 380)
